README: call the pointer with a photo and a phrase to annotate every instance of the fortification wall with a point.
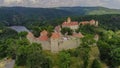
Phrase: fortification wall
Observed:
(69, 44)
(45, 45)
(56, 46)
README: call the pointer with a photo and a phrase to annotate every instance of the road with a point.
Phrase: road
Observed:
(10, 64)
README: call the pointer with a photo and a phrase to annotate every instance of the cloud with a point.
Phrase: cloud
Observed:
(92, 2)
(12, 1)
(60, 3)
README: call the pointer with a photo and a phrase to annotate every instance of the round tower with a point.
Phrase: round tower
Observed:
(55, 42)
(68, 20)
(97, 23)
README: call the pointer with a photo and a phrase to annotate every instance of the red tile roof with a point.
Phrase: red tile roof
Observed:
(55, 35)
(30, 35)
(43, 38)
(91, 22)
(84, 22)
(44, 32)
(79, 35)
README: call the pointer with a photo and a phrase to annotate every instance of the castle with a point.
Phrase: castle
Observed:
(91, 22)
(72, 25)
(57, 41)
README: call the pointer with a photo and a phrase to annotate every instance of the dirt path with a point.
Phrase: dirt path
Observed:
(10, 64)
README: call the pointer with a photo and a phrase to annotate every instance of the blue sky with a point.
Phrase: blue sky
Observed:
(61, 3)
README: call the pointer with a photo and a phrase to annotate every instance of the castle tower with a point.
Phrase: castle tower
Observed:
(30, 37)
(92, 22)
(54, 45)
(44, 32)
(96, 24)
(55, 42)
(68, 20)
(43, 36)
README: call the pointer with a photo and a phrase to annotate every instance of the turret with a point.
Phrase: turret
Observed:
(55, 42)
(68, 20)
(96, 24)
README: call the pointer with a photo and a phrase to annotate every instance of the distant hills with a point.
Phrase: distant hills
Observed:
(20, 15)
(91, 10)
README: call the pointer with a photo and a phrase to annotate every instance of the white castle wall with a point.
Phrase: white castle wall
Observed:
(74, 27)
(56, 45)
(45, 45)
(71, 27)
(69, 44)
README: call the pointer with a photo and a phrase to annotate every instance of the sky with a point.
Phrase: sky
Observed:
(61, 3)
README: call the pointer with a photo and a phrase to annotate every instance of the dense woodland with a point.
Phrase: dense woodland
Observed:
(23, 15)
(15, 45)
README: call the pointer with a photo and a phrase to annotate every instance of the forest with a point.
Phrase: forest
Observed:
(21, 15)
(30, 55)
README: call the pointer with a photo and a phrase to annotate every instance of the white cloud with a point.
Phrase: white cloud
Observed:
(12, 1)
(92, 3)
(53, 3)
(61, 3)
(34, 1)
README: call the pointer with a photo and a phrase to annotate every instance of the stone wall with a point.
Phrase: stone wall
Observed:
(69, 44)
(56, 45)
(71, 27)
(46, 45)
(74, 27)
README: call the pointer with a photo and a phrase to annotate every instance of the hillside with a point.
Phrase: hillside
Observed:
(91, 10)
(20, 15)
(17, 47)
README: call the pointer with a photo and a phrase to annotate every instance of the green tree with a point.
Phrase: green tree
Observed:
(66, 31)
(8, 33)
(96, 64)
(23, 42)
(36, 31)
(104, 50)
(115, 55)
(85, 49)
(21, 56)
(109, 49)
(22, 34)
(12, 47)
(64, 60)
(3, 50)
(86, 29)
(50, 29)
(35, 58)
